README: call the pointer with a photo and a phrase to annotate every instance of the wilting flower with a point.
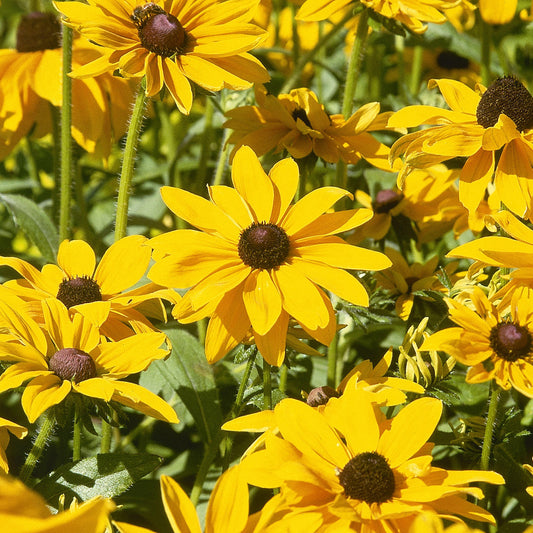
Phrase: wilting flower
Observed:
(24, 511)
(258, 260)
(496, 12)
(172, 43)
(69, 355)
(476, 127)
(412, 13)
(495, 344)
(96, 291)
(297, 122)
(31, 81)
(7, 427)
(358, 470)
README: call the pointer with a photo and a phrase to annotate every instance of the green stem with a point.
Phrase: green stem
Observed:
(293, 80)
(76, 439)
(207, 136)
(66, 136)
(416, 69)
(489, 427)
(267, 386)
(295, 36)
(332, 362)
(486, 38)
(105, 443)
(222, 158)
(204, 467)
(283, 375)
(45, 432)
(128, 163)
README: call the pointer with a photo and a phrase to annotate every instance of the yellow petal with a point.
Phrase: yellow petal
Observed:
(458, 96)
(285, 176)
(178, 85)
(76, 258)
(231, 202)
(180, 511)
(272, 345)
(262, 300)
(41, 393)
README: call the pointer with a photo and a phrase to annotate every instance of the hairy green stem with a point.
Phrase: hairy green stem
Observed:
(66, 137)
(267, 386)
(489, 427)
(128, 163)
(486, 38)
(416, 69)
(45, 432)
(76, 438)
(222, 159)
(105, 442)
(207, 137)
(332, 361)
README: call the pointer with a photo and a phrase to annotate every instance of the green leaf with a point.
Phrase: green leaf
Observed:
(188, 373)
(106, 475)
(35, 223)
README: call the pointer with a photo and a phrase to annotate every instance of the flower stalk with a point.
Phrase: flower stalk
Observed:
(489, 427)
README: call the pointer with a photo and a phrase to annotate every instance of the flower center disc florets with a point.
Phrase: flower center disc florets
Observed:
(321, 395)
(38, 31)
(368, 477)
(508, 96)
(79, 290)
(510, 341)
(263, 245)
(385, 200)
(450, 60)
(299, 113)
(71, 364)
(159, 31)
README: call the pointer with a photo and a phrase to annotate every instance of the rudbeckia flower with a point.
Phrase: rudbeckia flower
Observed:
(31, 81)
(69, 355)
(411, 13)
(7, 427)
(259, 260)
(358, 470)
(97, 291)
(477, 127)
(494, 343)
(297, 122)
(172, 43)
(24, 511)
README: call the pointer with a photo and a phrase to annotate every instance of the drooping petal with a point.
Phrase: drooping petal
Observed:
(262, 300)
(43, 392)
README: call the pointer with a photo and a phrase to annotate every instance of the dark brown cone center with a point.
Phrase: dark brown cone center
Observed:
(368, 477)
(321, 395)
(159, 31)
(71, 364)
(509, 97)
(510, 341)
(263, 245)
(79, 290)
(385, 200)
(450, 60)
(38, 31)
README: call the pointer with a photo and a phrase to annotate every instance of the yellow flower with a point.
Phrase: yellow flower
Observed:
(477, 127)
(462, 16)
(24, 511)
(69, 355)
(172, 43)
(96, 291)
(297, 122)
(227, 509)
(496, 12)
(31, 81)
(412, 13)
(429, 523)
(7, 427)
(494, 344)
(356, 470)
(259, 260)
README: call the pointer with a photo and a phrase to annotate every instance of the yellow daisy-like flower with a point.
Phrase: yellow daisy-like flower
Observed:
(358, 470)
(496, 12)
(493, 343)
(31, 81)
(7, 427)
(24, 511)
(98, 291)
(477, 127)
(411, 13)
(297, 122)
(172, 43)
(259, 260)
(69, 355)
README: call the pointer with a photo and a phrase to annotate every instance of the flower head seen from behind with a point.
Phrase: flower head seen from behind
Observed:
(357, 469)
(172, 43)
(476, 127)
(69, 355)
(297, 122)
(258, 260)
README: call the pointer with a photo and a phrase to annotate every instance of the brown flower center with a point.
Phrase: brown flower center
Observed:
(385, 200)
(263, 245)
(71, 364)
(510, 341)
(368, 477)
(78, 290)
(321, 395)
(159, 31)
(38, 31)
(450, 60)
(508, 96)
(300, 113)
